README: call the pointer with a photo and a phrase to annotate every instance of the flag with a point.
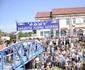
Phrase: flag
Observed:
(20, 23)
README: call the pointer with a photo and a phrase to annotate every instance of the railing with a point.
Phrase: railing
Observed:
(21, 53)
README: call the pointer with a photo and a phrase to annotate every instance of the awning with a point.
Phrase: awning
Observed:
(64, 29)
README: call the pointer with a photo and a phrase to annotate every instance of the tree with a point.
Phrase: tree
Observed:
(0, 35)
(1, 32)
(21, 34)
(29, 34)
(12, 36)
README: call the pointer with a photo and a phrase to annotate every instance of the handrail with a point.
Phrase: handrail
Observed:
(24, 51)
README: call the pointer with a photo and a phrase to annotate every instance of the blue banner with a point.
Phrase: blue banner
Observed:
(37, 25)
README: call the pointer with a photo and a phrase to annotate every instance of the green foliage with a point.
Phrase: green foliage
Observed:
(12, 36)
(0, 38)
(0, 35)
(1, 32)
(21, 34)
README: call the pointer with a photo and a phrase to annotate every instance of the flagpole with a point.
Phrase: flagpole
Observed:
(16, 31)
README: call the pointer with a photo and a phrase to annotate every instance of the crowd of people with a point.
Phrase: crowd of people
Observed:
(66, 53)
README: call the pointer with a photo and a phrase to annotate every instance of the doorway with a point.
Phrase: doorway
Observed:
(80, 32)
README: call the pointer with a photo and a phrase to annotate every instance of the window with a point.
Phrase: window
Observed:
(41, 33)
(84, 20)
(74, 20)
(80, 32)
(67, 21)
(34, 31)
(63, 33)
(46, 33)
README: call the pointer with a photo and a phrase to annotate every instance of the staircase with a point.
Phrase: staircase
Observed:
(21, 54)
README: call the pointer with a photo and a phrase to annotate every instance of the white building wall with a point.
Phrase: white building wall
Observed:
(63, 24)
(79, 20)
(42, 30)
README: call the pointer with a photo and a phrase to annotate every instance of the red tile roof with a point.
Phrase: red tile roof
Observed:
(43, 15)
(66, 11)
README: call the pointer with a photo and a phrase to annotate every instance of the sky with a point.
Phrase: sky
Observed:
(25, 10)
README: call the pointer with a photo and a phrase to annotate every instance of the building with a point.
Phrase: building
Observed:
(71, 20)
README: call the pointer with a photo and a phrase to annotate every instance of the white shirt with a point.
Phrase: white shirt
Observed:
(73, 55)
(78, 64)
(37, 60)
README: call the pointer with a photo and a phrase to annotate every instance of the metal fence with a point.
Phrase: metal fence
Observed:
(15, 56)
